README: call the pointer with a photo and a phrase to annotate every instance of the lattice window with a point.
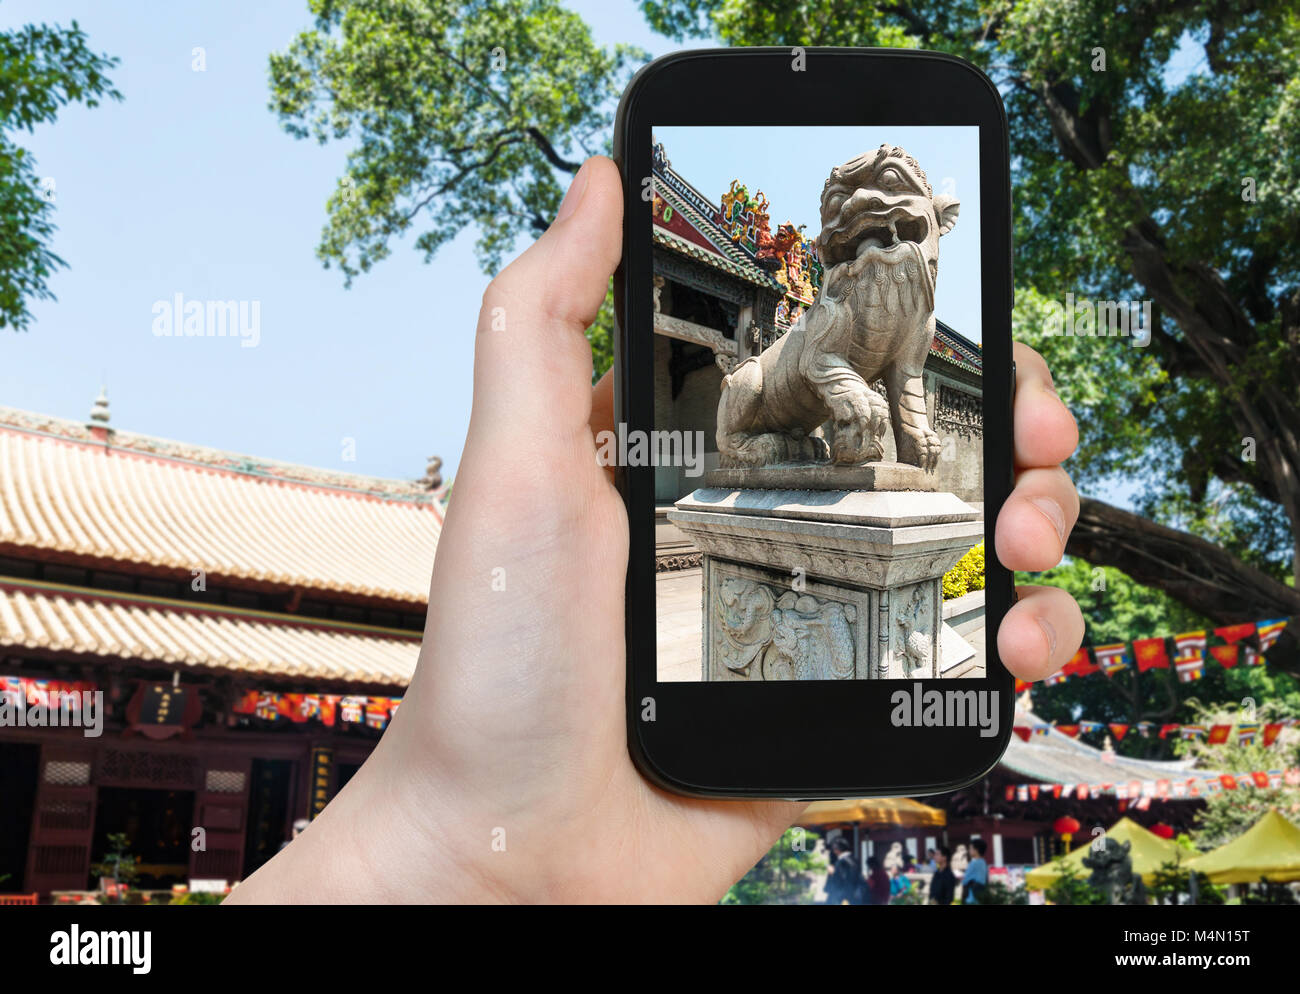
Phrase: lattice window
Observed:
(64, 815)
(226, 781)
(218, 864)
(67, 773)
(60, 859)
(119, 767)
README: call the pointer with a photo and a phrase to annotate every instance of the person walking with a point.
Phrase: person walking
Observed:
(976, 877)
(943, 885)
(844, 881)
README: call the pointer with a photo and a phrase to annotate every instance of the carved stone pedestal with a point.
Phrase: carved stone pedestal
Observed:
(824, 584)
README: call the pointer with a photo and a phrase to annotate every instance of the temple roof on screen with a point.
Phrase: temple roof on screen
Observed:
(706, 242)
(109, 499)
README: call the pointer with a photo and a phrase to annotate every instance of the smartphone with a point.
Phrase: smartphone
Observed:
(813, 401)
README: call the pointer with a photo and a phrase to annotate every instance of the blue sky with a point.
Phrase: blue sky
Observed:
(189, 185)
(790, 165)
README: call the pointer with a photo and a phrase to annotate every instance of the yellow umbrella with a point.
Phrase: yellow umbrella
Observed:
(873, 812)
(1269, 849)
(1147, 850)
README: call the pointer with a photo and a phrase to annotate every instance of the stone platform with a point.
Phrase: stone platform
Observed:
(821, 584)
(891, 476)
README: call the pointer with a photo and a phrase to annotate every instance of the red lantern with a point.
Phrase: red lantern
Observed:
(1163, 830)
(1065, 826)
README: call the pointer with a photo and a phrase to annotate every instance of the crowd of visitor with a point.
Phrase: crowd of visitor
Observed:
(904, 881)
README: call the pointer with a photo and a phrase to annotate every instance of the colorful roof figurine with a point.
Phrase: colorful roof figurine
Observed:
(686, 222)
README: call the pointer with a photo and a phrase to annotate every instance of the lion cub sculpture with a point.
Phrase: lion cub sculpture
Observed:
(873, 319)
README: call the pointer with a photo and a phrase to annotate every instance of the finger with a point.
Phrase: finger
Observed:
(1036, 519)
(1045, 430)
(532, 361)
(1040, 633)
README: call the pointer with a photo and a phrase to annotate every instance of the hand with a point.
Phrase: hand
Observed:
(512, 731)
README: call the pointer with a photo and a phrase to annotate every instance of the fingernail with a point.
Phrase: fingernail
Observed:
(1052, 511)
(571, 199)
(1050, 632)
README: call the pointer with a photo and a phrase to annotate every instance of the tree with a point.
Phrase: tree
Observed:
(458, 113)
(1228, 813)
(783, 875)
(118, 865)
(42, 69)
(1137, 180)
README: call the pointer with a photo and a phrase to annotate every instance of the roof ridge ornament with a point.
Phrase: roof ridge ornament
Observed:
(99, 410)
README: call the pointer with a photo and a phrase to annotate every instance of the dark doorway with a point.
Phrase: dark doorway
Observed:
(268, 811)
(344, 772)
(19, 768)
(157, 823)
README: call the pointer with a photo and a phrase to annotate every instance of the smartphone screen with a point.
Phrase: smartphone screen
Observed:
(813, 404)
(818, 445)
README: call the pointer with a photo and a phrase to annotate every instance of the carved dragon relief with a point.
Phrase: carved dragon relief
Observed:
(767, 634)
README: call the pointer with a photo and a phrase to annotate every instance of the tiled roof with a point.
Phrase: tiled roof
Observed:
(50, 617)
(698, 212)
(699, 253)
(131, 500)
(1057, 758)
(957, 349)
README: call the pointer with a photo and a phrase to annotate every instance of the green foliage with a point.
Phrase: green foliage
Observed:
(118, 863)
(457, 113)
(1072, 887)
(784, 875)
(1171, 881)
(996, 892)
(1267, 892)
(190, 898)
(42, 69)
(1228, 813)
(967, 574)
(1116, 609)
(601, 337)
(1131, 180)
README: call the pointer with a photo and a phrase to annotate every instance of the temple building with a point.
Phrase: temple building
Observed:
(1044, 775)
(249, 624)
(726, 287)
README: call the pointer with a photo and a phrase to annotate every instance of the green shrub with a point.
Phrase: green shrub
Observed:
(966, 575)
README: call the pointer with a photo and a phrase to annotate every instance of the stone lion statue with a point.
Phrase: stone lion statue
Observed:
(873, 319)
(1112, 872)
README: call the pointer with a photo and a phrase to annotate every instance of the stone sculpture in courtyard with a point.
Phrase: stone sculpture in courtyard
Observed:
(821, 561)
(873, 319)
(1112, 872)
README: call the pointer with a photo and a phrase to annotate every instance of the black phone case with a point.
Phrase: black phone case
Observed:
(805, 739)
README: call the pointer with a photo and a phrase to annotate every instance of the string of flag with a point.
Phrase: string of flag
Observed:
(1191, 651)
(327, 709)
(45, 693)
(1219, 734)
(1142, 792)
